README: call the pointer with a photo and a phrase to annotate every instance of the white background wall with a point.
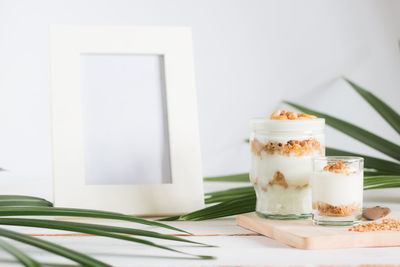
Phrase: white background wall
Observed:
(249, 55)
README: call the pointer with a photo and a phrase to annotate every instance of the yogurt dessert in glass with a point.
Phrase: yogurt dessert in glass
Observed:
(337, 190)
(282, 148)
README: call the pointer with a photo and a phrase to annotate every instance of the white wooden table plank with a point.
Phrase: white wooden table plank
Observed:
(233, 251)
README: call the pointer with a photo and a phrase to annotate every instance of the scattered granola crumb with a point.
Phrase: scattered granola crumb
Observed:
(338, 167)
(264, 189)
(256, 147)
(384, 225)
(301, 186)
(279, 179)
(290, 115)
(337, 211)
(296, 147)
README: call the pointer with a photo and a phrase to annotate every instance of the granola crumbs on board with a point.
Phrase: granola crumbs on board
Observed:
(384, 225)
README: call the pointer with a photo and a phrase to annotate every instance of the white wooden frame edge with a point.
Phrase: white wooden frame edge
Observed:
(185, 193)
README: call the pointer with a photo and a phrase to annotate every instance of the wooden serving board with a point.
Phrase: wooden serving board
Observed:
(303, 234)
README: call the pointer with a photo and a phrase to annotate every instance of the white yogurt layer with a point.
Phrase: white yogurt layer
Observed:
(293, 199)
(297, 170)
(284, 201)
(337, 189)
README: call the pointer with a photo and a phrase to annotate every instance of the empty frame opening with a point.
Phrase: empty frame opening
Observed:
(125, 119)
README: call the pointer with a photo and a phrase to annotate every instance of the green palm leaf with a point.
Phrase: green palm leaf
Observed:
(232, 191)
(54, 248)
(382, 181)
(48, 211)
(377, 173)
(83, 227)
(21, 197)
(18, 200)
(90, 229)
(227, 208)
(229, 194)
(220, 199)
(169, 219)
(243, 177)
(368, 138)
(389, 114)
(23, 203)
(19, 255)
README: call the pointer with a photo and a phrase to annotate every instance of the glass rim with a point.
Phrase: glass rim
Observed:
(339, 158)
(276, 126)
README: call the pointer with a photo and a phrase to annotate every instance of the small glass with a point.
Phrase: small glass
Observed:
(337, 190)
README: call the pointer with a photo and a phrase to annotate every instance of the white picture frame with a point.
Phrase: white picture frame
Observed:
(185, 192)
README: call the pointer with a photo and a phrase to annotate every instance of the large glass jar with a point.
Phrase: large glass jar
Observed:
(281, 165)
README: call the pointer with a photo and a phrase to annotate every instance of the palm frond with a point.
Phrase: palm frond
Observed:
(98, 230)
(240, 178)
(227, 208)
(23, 201)
(83, 227)
(389, 148)
(169, 219)
(19, 255)
(381, 181)
(387, 113)
(232, 191)
(229, 194)
(49, 211)
(73, 255)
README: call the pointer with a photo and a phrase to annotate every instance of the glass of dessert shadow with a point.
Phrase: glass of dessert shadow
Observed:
(337, 190)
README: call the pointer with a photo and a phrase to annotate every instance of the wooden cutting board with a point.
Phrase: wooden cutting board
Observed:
(303, 234)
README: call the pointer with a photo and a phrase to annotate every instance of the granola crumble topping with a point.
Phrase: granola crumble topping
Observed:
(298, 148)
(290, 115)
(338, 167)
(337, 211)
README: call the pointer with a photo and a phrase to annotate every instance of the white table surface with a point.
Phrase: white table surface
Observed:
(236, 246)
